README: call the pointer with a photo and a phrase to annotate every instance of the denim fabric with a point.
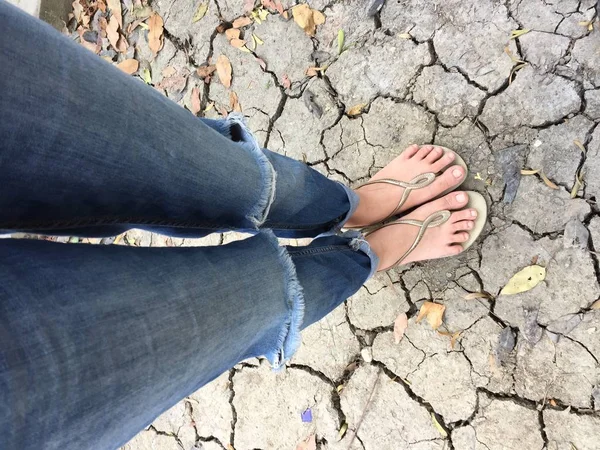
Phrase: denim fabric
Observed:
(97, 341)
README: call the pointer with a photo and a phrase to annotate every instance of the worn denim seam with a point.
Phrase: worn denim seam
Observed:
(289, 338)
(317, 250)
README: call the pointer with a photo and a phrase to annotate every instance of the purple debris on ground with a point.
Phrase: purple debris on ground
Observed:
(306, 416)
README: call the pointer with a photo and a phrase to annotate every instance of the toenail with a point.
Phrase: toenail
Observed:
(473, 213)
(460, 197)
(457, 173)
(450, 155)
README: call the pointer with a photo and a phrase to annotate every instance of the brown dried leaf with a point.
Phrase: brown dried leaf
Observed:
(223, 27)
(310, 443)
(286, 82)
(224, 70)
(529, 171)
(307, 18)
(206, 71)
(549, 183)
(268, 4)
(595, 305)
(242, 22)
(400, 325)
(433, 312)
(234, 103)
(279, 7)
(155, 33)
(129, 66)
(112, 32)
(578, 143)
(237, 43)
(101, 5)
(311, 72)
(169, 71)
(115, 8)
(454, 338)
(356, 110)
(232, 33)
(552, 402)
(122, 45)
(195, 101)
(474, 295)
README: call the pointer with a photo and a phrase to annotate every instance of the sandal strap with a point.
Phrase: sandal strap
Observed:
(418, 182)
(434, 220)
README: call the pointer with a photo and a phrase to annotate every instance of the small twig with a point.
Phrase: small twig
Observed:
(362, 416)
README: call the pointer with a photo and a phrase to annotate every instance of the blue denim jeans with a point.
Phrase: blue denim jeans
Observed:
(97, 341)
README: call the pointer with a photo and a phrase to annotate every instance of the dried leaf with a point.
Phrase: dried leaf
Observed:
(311, 72)
(129, 66)
(433, 312)
(341, 40)
(405, 36)
(237, 43)
(232, 33)
(552, 402)
(524, 280)
(155, 34)
(438, 427)
(234, 103)
(549, 183)
(307, 18)
(279, 7)
(474, 295)
(310, 443)
(356, 110)
(515, 69)
(112, 32)
(339, 388)
(529, 171)
(512, 57)
(230, 447)
(578, 183)
(168, 71)
(122, 45)
(454, 338)
(115, 8)
(142, 12)
(210, 106)
(257, 40)
(242, 22)
(517, 33)
(400, 325)
(205, 71)
(195, 101)
(595, 305)
(578, 143)
(224, 70)
(286, 82)
(146, 76)
(200, 12)
(342, 431)
(223, 27)
(248, 6)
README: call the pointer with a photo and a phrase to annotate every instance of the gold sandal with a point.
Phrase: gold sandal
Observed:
(418, 182)
(476, 202)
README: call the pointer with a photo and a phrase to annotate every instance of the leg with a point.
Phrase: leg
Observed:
(97, 341)
(86, 149)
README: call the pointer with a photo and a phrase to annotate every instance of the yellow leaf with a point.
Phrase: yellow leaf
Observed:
(129, 66)
(433, 312)
(224, 70)
(400, 325)
(405, 36)
(595, 305)
(155, 34)
(437, 426)
(478, 177)
(342, 431)
(549, 183)
(258, 40)
(209, 106)
(578, 143)
(356, 110)
(578, 183)
(339, 388)
(474, 295)
(146, 76)
(529, 171)
(200, 12)
(263, 14)
(524, 280)
(341, 39)
(516, 33)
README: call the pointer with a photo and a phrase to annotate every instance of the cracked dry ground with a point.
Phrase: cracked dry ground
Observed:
(524, 372)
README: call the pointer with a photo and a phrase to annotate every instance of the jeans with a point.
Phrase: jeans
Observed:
(97, 341)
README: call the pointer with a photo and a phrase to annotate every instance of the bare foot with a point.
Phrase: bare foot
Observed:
(392, 242)
(377, 201)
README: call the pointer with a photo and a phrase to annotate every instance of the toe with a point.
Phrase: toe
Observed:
(424, 151)
(447, 180)
(455, 200)
(465, 214)
(463, 225)
(461, 236)
(435, 154)
(410, 151)
(454, 249)
(443, 162)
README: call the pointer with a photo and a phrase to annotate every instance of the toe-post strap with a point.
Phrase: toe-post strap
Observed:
(434, 220)
(418, 182)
